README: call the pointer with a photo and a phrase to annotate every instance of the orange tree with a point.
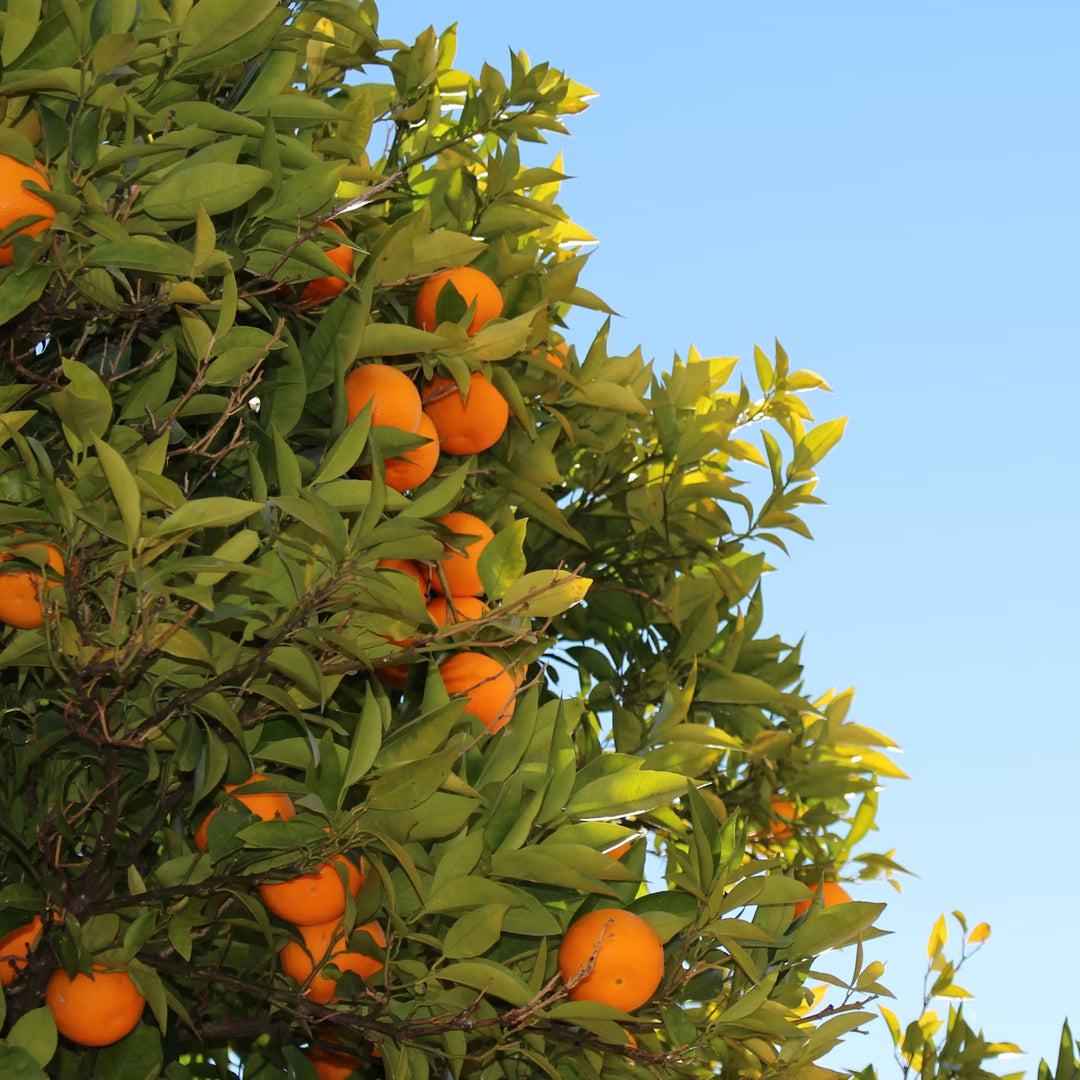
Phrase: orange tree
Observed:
(227, 739)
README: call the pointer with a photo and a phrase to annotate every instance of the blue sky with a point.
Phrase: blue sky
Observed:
(891, 190)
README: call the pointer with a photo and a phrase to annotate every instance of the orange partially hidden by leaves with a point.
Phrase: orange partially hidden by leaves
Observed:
(19, 943)
(459, 567)
(471, 284)
(268, 805)
(617, 851)
(625, 953)
(323, 290)
(491, 689)
(445, 611)
(313, 898)
(333, 1064)
(557, 356)
(832, 893)
(19, 202)
(94, 1010)
(394, 398)
(319, 948)
(782, 813)
(415, 466)
(395, 675)
(466, 425)
(21, 599)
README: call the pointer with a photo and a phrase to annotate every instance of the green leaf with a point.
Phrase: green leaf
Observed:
(397, 339)
(19, 291)
(474, 932)
(489, 978)
(20, 26)
(35, 1032)
(502, 562)
(544, 593)
(124, 488)
(215, 186)
(146, 254)
(628, 791)
(208, 513)
(19, 1064)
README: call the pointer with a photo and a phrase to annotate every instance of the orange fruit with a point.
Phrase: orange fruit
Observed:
(94, 1010)
(268, 805)
(320, 948)
(312, 898)
(333, 1064)
(557, 356)
(21, 600)
(395, 675)
(19, 943)
(415, 466)
(782, 813)
(617, 851)
(459, 567)
(464, 609)
(466, 425)
(395, 401)
(408, 566)
(628, 964)
(473, 285)
(832, 894)
(18, 202)
(323, 290)
(490, 688)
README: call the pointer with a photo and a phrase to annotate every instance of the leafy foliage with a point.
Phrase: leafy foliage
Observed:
(175, 424)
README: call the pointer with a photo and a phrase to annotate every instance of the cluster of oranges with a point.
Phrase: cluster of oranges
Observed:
(93, 1009)
(314, 903)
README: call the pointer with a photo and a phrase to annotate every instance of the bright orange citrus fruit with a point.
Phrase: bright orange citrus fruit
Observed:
(464, 608)
(413, 467)
(19, 943)
(490, 689)
(832, 894)
(21, 591)
(94, 1010)
(320, 948)
(459, 567)
(472, 284)
(782, 812)
(323, 290)
(268, 805)
(395, 401)
(626, 954)
(466, 425)
(18, 202)
(333, 1064)
(312, 898)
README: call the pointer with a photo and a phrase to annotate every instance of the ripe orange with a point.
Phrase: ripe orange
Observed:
(782, 814)
(464, 609)
(94, 1010)
(415, 466)
(395, 400)
(268, 805)
(472, 284)
(20, 942)
(617, 851)
(459, 568)
(21, 600)
(557, 356)
(312, 898)
(395, 675)
(323, 290)
(628, 964)
(17, 202)
(833, 894)
(466, 425)
(333, 1064)
(490, 687)
(320, 948)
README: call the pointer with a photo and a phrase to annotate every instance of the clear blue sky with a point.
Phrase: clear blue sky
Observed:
(891, 190)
